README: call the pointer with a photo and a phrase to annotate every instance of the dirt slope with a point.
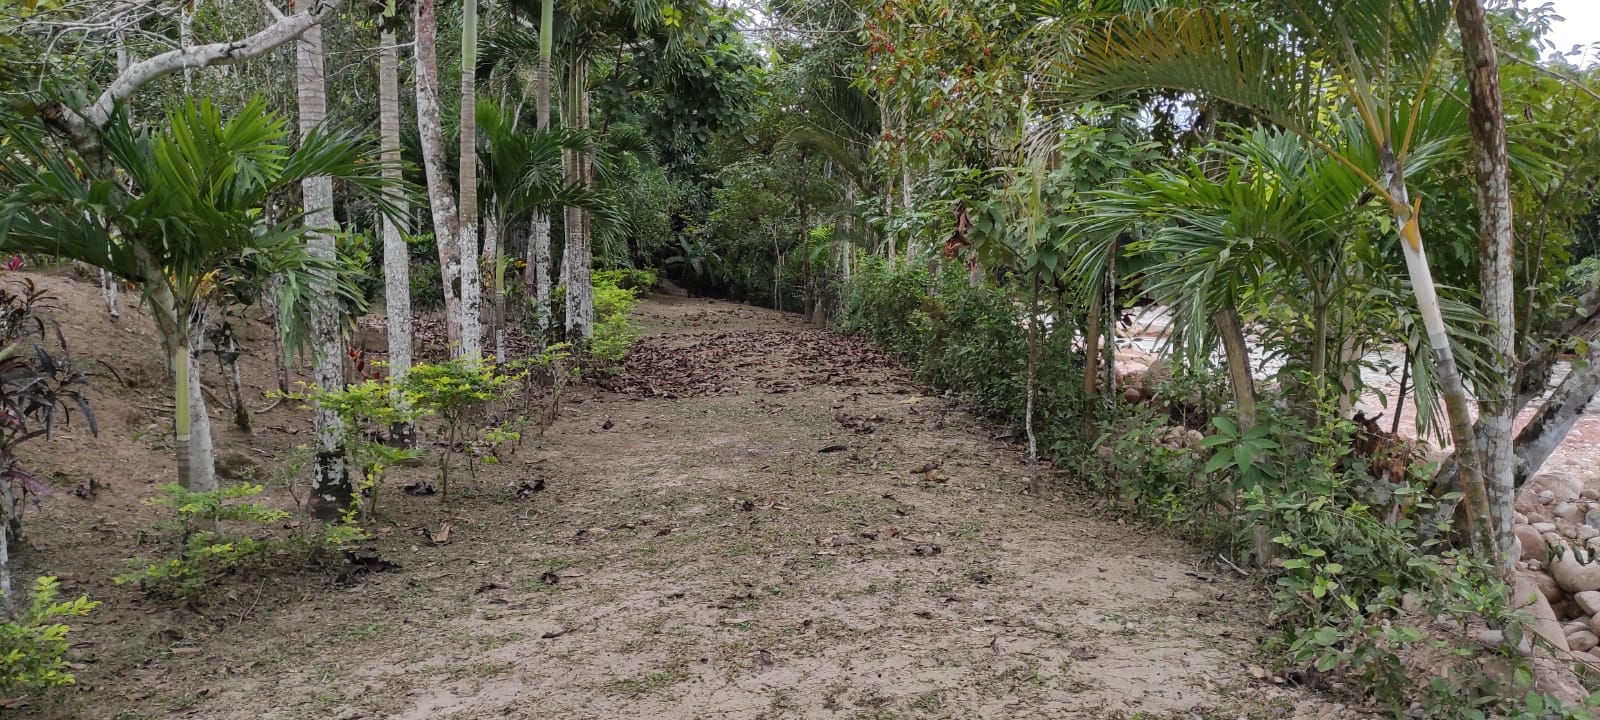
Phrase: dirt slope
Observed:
(759, 520)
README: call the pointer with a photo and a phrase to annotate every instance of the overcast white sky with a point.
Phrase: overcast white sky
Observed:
(1582, 24)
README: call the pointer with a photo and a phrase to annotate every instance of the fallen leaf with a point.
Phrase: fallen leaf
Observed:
(419, 488)
(486, 587)
(607, 425)
(834, 449)
(549, 578)
(441, 536)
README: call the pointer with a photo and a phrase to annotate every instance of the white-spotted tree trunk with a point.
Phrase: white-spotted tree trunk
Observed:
(1497, 410)
(441, 198)
(396, 256)
(536, 283)
(467, 180)
(577, 255)
(330, 481)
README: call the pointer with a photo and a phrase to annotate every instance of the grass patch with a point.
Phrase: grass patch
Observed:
(649, 683)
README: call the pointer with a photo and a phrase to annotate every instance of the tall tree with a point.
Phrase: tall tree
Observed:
(194, 204)
(536, 281)
(471, 345)
(396, 257)
(330, 482)
(85, 127)
(1492, 165)
(441, 199)
(577, 254)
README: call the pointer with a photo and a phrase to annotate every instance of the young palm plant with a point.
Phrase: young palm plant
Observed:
(1295, 64)
(521, 174)
(193, 202)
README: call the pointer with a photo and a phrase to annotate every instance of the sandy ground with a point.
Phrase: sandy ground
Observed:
(758, 520)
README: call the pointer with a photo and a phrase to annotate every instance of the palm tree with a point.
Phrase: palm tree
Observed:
(522, 175)
(330, 482)
(1262, 64)
(396, 257)
(536, 278)
(467, 183)
(191, 204)
(441, 199)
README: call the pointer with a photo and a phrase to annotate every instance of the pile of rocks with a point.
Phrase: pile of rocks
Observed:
(1558, 526)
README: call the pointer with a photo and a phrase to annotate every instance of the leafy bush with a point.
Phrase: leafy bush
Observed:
(207, 552)
(368, 411)
(33, 646)
(460, 391)
(616, 293)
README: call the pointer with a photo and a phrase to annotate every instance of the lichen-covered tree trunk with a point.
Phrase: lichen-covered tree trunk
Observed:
(396, 258)
(396, 255)
(497, 307)
(330, 481)
(536, 283)
(577, 255)
(441, 198)
(467, 180)
(1496, 236)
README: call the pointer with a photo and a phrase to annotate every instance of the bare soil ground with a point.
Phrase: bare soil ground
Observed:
(757, 519)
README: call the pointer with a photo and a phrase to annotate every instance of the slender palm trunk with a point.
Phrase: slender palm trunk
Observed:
(888, 196)
(536, 283)
(841, 240)
(1450, 385)
(905, 185)
(491, 257)
(1091, 343)
(396, 256)
(441, 199)
(1496, 407)
(1237, 352)
(1035, 483)
(330, 482)
(467, 180)
(578, 253)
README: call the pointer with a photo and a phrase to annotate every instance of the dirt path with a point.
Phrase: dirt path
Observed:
(761, 521)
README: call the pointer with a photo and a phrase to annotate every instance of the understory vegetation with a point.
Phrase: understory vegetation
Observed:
(1314, 284)
(1361, 582)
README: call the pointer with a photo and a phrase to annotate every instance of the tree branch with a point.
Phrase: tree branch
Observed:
(137, 75)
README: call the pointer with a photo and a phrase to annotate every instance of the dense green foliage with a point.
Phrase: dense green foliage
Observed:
(33, 644)
(1356, 571)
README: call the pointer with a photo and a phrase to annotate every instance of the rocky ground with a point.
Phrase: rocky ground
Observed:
(756, 520)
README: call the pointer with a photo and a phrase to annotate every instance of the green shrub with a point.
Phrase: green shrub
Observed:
(207, 551)
(1348, 548)
(616, 293)
(460, 391)
(368, 411)
(33, 646)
